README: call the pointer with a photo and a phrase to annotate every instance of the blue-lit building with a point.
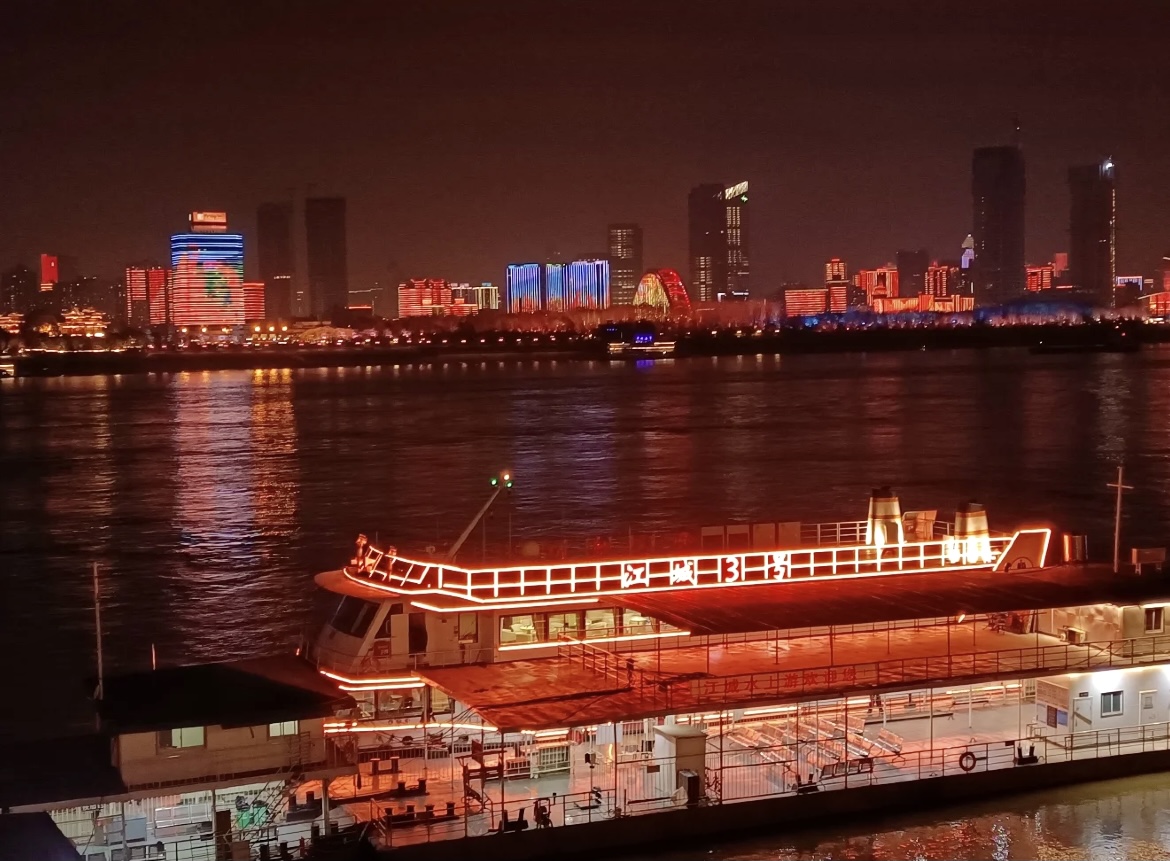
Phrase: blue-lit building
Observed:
(207, 274)
(578, 285)
(524, 288)
(587, 285)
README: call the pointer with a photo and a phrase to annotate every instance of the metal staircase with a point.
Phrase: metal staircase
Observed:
(257, 820)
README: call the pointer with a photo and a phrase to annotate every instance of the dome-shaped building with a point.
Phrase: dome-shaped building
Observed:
(663, 291)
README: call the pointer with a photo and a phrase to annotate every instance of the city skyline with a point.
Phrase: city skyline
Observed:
(859, 190)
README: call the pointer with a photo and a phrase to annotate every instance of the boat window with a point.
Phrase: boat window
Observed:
(599, 623)
(353, 616)
(517, 629)
(634, 622)
(563, 625)
(288, 727)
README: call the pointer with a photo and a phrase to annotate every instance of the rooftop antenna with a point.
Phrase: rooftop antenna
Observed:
(498, 484)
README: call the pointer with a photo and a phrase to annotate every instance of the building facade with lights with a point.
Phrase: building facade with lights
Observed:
(1092, 253)
(207, 274)
(431, 297)
(718, 241)
(998, 188)
(148, 296)
(625, 261)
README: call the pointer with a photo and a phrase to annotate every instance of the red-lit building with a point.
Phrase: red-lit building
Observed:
(836, 270)
(1039, 278)
(881, 283)
(431, 297)
(148, 300)
(253, 300)
(806, 301)
(49, 272)
(207, 274)
(942, 279)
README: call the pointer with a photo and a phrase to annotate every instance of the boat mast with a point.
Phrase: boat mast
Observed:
(502, 482)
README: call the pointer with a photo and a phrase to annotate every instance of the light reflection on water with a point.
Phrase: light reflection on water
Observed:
(1119, 820)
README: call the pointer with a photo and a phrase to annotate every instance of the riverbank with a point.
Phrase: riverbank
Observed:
(523, 347)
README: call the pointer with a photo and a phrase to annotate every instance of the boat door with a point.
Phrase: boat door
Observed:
(1146, 714)
(1082, 716)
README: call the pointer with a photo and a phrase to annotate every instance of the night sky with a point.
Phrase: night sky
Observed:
(468, 135)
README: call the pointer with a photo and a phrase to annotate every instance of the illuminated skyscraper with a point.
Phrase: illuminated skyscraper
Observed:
(276, 258)
(836, 270)
(625, 261)
(997, 189)
(325, 245)
(942, 279)
(1039, 277)
(484, 297)
(524, 288)
(148, 296)
(587, 285)
(718, 241)
(553, 294)
(1092, 252)
(207, 275)
(49, 272)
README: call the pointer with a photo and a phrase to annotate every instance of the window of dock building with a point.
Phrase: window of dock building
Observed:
(1111, 704)
(599, 623)
(1154, 620)
(517, 629)
(288, 727)
(188, 736)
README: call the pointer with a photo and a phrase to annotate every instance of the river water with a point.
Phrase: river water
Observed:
(209, 500)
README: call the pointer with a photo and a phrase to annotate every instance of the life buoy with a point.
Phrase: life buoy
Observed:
(967, 761)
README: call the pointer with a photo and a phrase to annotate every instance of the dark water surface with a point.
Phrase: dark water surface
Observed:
(209, 500)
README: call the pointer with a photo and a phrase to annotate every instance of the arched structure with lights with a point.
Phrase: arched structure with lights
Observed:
(663, 291)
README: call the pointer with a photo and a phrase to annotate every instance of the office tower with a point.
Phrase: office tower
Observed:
(718, 241)
(255, 301)
(836, 270)
(276, 259)
(148, 299)
(524, 288)
(1092, 250)
(625, 261)
(50, 274)
(912, 266)
(553, 296)
(805, 301)
(1040, 278)
(997, 189)
(1059, 263)
(207, 274)
(326, 255)
(587, 285)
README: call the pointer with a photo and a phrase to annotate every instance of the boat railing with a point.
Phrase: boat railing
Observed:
(524, 550)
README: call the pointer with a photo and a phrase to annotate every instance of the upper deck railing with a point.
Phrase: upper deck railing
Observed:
(572, 582)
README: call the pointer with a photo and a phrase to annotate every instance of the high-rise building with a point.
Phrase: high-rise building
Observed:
(18, 290)
(148, 296)
(880, 283)
(50, 274)
(912, 266)
(276, 258)
(836, 270)
(625, 261)
(326, 254)
(483, 297)
(207, 274)
(587, 285)
(430, 297)
(718, 241)
(997, 189)
(942, 279)
(1040, 278)
(255, 302)
(524, 288)
(1059, 263)
(1092, 251)
(805, 301)
(1128, 290)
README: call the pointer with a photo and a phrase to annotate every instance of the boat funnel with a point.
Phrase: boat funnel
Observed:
(885, 519)
(971, 544)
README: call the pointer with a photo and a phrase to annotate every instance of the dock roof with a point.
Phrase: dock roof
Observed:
(238, 693)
